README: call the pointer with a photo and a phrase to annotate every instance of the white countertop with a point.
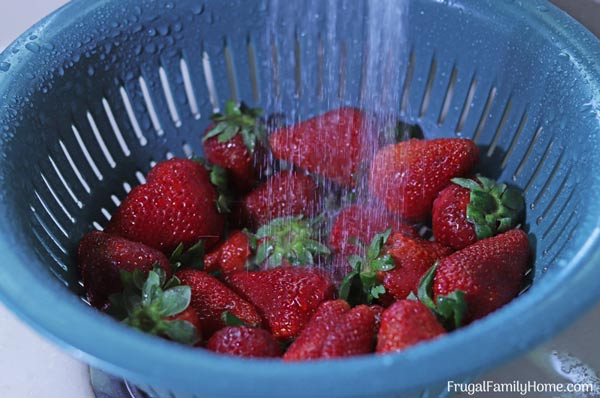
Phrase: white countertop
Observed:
(30, 367)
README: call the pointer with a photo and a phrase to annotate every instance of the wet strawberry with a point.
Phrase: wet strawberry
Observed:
(231, 255)
(211, 298)
(405, 324)
(328, 145)
(286, 297)
(408, 176)
(469, 210)
(244, 341)
(101, 257)
(176, 206)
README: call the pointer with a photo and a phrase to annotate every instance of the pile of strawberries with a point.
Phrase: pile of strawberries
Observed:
(303, 243)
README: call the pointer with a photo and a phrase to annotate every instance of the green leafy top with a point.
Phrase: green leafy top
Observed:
(290, 239)
(450, 310)
(147, 301)
(231, 319)
(493, 208)
(362, 285)
(192, 258)
(218, 178)
(238, 120)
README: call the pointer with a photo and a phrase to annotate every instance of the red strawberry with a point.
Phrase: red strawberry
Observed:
(378, 313)
(231, 255)
(233, 142)
(288, 193)
(362, 223)
(413, 257)
(244, 341)
(405, 324)
(335, 331)
(328, 145)
(469, 210)
(490, 272)
(176, 206)
(189, 315)
(211, 298)
(286, 297)
(102, 256)
(408, 176)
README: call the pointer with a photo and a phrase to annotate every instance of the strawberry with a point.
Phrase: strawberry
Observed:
(405, 324)
(233, 141)
(413, 257)
(176, 206)
(101, 256)
(286, 297)
(244, 341)
(157, 306)
(469, 210)
(488, 274)
(408, 176)
(231, 255)
(211, 298)
(289, 240)
(334, 331)
(377, 311)
(288, 193)
(362, 223)
(328, 145)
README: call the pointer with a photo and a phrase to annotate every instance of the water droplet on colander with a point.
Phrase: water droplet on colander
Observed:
(33, 37)
(30, 76)
(532, 206)
(539, 220)
(163, 30)
(4, 66)
(542, 8)
(151, 32)
(33, 47)
(198, 9)
(177, 27)
(91, 71)
(137, 28)
(150, 48)
(137, 10)
(169, 5)
(138, 49)
(514, 178)
(61, 71)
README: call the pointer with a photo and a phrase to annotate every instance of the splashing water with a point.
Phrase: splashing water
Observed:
(321, 63)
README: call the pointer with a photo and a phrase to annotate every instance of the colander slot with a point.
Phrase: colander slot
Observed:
(140, 177)
(57, 199)
(528, 153)
(448, 97)
(48, 231)
(485, 114)
(210, 82)
(65, 184)
(231, 73)
(132, 118)
(86, 153)
(115, 127)
(514, 141)
(126, 187)
(409, 75)
(549, 180)
(187, 150)
(189, 89)
(321, 68)
(164, 80)
(115, 200)
(106, 213)
(253, 70)
(500, 128)
(150, 106)
(428, 87)
(49, 251)
(539, 167)
(101, 143)
(343, 69)
(556, 195)
(275, 63)
(51, 214)
(97, 226)
(467, 105)
(297, 65)
(550, 228)
(558, 248)
(74, 167)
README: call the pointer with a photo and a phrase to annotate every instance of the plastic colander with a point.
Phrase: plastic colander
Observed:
(99, 90)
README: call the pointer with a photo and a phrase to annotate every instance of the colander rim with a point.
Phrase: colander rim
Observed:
(94, 333)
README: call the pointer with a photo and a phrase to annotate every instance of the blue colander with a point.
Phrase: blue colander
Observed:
(95, 93)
